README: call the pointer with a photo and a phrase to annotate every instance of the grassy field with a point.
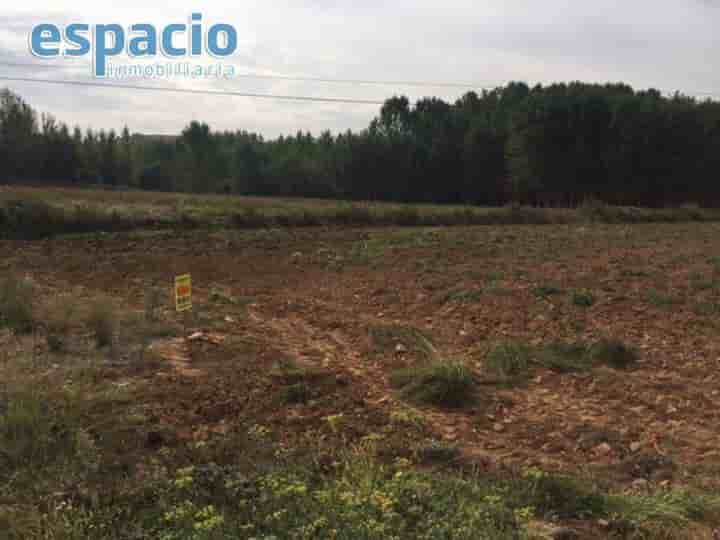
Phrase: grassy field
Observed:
(28, 212)
(499, 382)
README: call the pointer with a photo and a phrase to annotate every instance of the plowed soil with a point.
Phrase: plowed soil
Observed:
(318, 298)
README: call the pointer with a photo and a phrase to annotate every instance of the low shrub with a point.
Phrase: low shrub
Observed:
(443, 384)
(16, 304)
(102, 321)
(613, 353)
(509, 360)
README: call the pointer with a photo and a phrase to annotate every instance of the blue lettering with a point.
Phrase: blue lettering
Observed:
(103, 49)
(44, 34)
(213, 44)
(145, 45)
(196, 33)
(167, 37)
(73, 35)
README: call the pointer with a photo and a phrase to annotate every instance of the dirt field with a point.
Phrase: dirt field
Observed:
(351, 306)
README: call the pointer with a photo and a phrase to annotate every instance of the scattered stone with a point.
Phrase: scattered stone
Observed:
(400, 348)
(603, 449)
(640, 484)
(635, 447)
(341, 380)
(499, 428)
(297, 255)
(604, 523)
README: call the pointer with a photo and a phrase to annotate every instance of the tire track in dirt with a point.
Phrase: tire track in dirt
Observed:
(297, 336)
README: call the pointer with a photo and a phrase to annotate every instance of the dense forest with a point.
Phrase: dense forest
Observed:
(555, 145)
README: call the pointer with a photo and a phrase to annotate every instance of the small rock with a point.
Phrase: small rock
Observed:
(640, 483)
(499, 427)
(297, 255)
(635, 447)
(672, 409)
(604, 523)
(603, 449)
(341, 381)
(400, 348)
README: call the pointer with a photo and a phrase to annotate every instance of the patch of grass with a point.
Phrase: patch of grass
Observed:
(660, 299)
(437, 452)
(635, 273)
(509, 360)
(58, 322)
(465, 296)
(613, 353)
(289, 373)
(16, 304)
(558, 497)
(707, 309)
(407, 417)
(296, 393)
(544, 291)
(583, 299)
(35, 434)
(386, 339)
(666, 515)
(564, 357)
(442, 384)
(102, 320)
(218, 296)
(152, 302)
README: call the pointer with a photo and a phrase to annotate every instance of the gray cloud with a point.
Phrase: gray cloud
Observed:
(669, 45)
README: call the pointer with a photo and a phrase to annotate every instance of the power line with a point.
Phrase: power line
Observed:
(193, 91)
(301, 79)
(334, 81)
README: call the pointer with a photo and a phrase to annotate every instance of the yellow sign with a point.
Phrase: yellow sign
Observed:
(183, 293)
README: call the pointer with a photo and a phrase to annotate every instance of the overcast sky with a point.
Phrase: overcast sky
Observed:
(663, 44)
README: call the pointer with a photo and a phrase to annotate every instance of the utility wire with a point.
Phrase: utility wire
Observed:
(297, 79)
(192, 91)
(429, 84)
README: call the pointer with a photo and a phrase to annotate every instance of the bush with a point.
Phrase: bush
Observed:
(296, 393)
(546, 290)
(29, 219)
(16, 304)
(583, 299)
(508, 360)
(559, 497)
(57, 323)
(613, 353)
(103, 322)
(438, 452)
(564, 357)
(443, 384)
(465, 297)
(667, 515)
(385, 339)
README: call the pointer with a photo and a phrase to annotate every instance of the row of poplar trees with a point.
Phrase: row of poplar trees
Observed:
(556, 145)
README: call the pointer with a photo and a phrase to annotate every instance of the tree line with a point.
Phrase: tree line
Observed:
(556, 145)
